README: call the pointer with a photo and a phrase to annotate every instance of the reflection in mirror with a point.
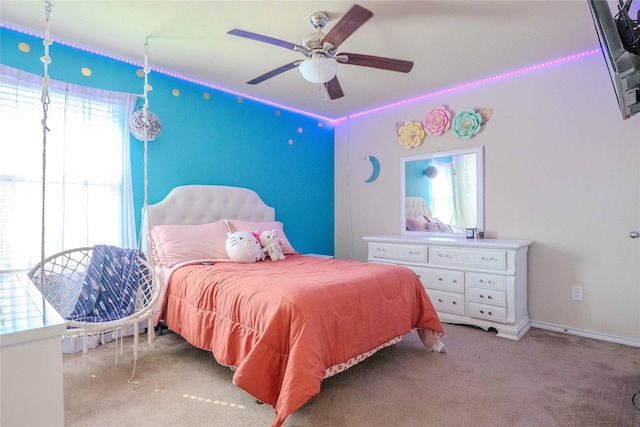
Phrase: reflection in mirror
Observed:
(443, 192)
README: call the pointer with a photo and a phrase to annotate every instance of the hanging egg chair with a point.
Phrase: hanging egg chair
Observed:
(99, 290)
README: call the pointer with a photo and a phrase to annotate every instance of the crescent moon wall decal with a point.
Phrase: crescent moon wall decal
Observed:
(376, 168)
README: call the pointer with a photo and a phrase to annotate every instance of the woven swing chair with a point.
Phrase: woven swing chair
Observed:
(64, 281)
(100, 289)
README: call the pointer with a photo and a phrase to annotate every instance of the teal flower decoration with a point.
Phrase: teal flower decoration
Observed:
(467, 123)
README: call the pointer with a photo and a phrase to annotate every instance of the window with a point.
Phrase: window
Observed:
(88, 181)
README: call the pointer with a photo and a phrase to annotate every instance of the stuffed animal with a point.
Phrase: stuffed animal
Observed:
(270, 242)
(244, 247)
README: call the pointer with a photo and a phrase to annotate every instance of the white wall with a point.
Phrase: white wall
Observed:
(561, 169)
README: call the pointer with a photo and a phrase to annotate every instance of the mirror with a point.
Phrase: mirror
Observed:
(443, 192)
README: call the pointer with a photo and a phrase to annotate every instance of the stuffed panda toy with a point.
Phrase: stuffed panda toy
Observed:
(244, 247)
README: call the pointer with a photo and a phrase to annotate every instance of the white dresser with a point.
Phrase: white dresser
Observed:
(481, 282)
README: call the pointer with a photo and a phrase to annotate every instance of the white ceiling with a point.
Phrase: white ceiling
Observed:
(450, 42)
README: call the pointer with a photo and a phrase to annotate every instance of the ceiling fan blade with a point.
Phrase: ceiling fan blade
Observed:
(274, 73)
(354, 18)
(267, 39)
(333, 88)
(375, 62)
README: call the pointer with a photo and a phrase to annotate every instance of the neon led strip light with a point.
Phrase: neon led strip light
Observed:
(477, 83)
(172, 74)
(426, 96)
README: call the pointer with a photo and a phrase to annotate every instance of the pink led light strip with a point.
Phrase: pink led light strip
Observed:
(306, 113)
(477, 82)
(172, 74)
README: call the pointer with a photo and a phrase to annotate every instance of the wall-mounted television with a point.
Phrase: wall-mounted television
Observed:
(622, 59)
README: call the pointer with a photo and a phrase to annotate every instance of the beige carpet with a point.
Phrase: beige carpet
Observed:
(544, 379)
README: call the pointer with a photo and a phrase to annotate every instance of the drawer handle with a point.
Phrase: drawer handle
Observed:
(455, 281)
(439, 299)
(488, 296)
(444, 256)
(488, 312)
(454, 303)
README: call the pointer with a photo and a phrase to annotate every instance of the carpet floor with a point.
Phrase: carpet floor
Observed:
(544, 379)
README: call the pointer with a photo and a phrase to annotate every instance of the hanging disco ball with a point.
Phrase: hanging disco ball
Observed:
(431, 172)
(137, 125)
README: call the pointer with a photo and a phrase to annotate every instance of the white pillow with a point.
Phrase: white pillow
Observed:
(171, 244)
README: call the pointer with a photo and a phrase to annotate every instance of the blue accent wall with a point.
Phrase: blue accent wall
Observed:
(286, 157)
(416, 184)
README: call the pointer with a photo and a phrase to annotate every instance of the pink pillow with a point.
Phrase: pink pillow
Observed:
(417, 224)
(238, 225)
(172, 244)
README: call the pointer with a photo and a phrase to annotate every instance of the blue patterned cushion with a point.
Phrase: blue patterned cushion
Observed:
(110, 285)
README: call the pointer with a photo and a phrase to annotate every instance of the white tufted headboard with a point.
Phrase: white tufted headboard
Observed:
(416, 207)
(201, 204)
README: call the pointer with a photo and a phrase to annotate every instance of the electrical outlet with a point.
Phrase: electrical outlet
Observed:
(576, 293)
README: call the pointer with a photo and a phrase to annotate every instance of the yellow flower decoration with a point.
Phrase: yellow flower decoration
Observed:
(410, 134)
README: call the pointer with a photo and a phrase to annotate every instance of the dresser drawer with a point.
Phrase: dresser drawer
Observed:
(486, 281)
(487, 296)
(398, 251)
(445, 280)
(481, 258)
(488, 312)
(447, 302)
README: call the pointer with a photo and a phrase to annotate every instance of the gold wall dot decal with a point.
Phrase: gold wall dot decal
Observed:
(206, 95)
(140, 72)
(240, 99)
(320, 124)
(299, 130)
(277, 112)
(85, 71)
(290, 142)
(175, 92)
(24, 47)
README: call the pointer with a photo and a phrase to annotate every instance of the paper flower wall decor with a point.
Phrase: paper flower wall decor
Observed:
(410, 134)
(137, 125)
(467, 123)
(437, 121)
(485, 113)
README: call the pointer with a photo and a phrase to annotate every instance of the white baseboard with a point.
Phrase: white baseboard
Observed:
(587, 334)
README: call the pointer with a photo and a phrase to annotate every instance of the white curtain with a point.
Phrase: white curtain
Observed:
(443, 207)
(88, 188)
(466, 191)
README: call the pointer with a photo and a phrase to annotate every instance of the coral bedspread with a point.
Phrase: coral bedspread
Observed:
(283, 323)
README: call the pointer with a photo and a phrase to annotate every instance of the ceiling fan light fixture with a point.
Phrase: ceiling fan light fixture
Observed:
(319, 69)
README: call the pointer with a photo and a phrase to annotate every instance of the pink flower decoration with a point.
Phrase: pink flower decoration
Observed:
(437, 121)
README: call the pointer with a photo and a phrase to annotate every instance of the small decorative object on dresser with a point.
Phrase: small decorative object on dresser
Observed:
(470, 281)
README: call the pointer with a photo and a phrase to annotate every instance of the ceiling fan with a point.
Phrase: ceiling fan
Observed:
(322, 60)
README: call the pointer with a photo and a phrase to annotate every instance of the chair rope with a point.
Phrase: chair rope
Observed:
(46, 60)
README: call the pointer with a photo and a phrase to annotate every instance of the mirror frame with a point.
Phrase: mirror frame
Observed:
(479, 152)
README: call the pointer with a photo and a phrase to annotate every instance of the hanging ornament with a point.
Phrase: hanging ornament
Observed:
(138, 123)
(431, 172)
(143, 124)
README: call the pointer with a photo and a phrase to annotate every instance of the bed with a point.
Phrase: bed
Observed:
(419, 217)
(283, 325)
